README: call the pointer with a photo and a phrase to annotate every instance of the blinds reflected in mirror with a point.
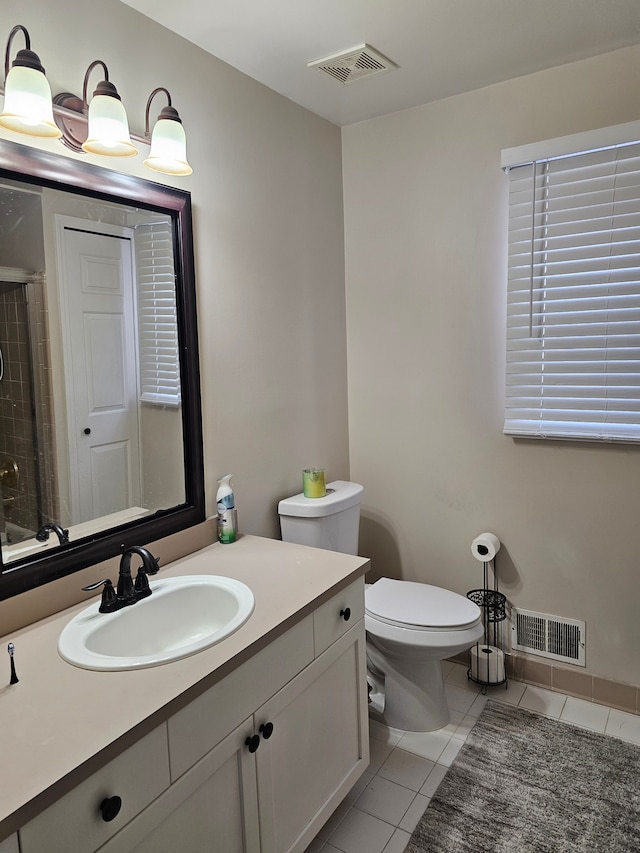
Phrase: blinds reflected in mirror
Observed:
(157, 322)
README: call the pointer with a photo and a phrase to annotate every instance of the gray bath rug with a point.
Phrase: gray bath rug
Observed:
(525, 784)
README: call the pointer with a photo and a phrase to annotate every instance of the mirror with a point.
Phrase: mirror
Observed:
(101, 438)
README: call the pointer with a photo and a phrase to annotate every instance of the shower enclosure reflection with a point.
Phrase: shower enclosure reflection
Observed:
(22, 503)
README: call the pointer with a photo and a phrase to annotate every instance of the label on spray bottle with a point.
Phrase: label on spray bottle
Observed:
(226, 520)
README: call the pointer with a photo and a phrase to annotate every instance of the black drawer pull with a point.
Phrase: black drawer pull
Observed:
(110, 808)
(252, 742)
(346, 614)
(267, 730)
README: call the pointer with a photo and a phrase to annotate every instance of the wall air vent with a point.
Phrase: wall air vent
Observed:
(548, 636)
(354, 64)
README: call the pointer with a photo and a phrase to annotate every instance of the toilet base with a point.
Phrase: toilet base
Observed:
(414, 696)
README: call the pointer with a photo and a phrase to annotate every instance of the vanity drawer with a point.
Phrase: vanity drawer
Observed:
(334, 618)
(75, 822)
(196, 729)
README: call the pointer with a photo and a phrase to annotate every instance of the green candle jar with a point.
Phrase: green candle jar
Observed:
(313, 483)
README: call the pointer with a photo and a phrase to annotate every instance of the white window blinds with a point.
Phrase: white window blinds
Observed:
(157, 321)
(573, 315)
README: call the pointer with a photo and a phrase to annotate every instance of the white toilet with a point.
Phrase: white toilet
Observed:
(411, 627)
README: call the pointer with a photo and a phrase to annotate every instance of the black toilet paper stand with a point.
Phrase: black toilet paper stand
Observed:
(492, 605)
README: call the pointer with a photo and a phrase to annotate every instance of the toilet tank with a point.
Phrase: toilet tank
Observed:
(331, 522)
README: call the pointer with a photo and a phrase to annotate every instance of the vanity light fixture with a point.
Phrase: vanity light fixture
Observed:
(27, 96)
(108, 127)
(99, 126)
(168, 152)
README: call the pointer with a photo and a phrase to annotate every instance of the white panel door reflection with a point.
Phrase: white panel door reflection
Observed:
(102, 387)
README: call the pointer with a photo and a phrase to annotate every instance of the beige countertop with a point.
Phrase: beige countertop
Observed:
(60, 722)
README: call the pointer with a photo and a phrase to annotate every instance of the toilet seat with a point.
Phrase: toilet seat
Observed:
(419, 606)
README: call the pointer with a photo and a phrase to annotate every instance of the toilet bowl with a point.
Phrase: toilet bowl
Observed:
(411, 628)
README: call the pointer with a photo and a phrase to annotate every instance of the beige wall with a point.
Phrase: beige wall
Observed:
(425, 236)
(267, 200)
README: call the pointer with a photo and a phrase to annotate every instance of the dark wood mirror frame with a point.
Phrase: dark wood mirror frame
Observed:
(33, 166)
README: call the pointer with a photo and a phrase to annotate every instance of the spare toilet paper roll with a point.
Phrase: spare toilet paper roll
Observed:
(485, 547)
(487, 664)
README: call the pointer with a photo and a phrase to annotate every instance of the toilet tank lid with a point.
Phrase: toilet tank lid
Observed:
(340, 495)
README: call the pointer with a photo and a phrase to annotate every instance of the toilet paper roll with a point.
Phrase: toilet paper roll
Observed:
(485, 547)
(487, 664)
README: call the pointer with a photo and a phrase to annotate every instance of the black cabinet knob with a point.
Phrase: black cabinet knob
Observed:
(110, 808)
(346, 614)
(252, 743)
(267, 730)
(87, 430)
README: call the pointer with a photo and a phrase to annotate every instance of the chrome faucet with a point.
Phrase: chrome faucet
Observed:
(127, 591)
(43, 534)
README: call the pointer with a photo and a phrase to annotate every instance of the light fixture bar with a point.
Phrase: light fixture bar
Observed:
(98, 125)
(67, 108)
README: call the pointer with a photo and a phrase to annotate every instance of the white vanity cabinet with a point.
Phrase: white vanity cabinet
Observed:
(269, 785)
(255, 764)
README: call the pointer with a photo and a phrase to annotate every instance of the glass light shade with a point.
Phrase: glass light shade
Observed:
(108, 132)
(168, 152)
(27, 103)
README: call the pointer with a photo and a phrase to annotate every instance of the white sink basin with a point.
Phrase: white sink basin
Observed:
(182, 616)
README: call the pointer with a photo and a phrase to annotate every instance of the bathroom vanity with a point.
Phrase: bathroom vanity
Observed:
(248, 745)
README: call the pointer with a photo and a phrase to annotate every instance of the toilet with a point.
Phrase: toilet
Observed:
(411, 627)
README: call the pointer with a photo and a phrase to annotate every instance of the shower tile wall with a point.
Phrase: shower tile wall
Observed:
(43, 397)
(18, 406)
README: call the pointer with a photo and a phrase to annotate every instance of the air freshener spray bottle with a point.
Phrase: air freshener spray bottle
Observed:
(227, 517)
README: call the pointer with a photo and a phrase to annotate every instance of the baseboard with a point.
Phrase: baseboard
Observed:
(572, 681)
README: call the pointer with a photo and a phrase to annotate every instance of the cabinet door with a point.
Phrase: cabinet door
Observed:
(318, 746)
(212, 807)
(196, 729)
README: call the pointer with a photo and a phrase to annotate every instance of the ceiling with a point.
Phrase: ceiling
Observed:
(442, 47)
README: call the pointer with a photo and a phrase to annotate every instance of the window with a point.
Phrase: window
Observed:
(573, 315)
(158, 334)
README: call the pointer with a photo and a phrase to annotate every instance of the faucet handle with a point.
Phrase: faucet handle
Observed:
(149, 566)
(141, 584)
(109, 601)
(125, 591)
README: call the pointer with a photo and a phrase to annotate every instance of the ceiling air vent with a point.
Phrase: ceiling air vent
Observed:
(355, 64)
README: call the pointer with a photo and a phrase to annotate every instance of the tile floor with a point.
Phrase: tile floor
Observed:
(380, 813)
